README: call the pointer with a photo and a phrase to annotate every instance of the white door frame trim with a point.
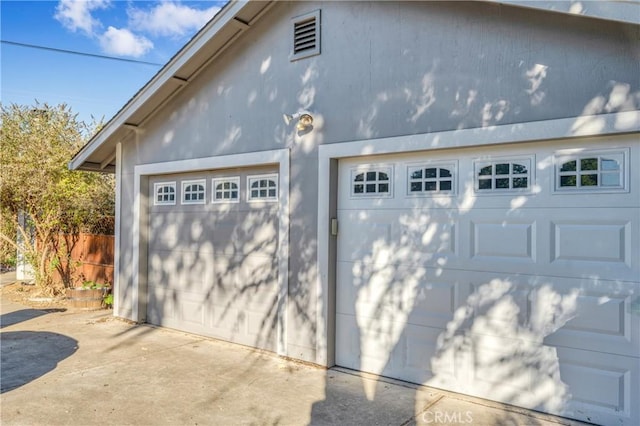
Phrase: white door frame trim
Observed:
(279, 157)
(564, 128)
(117, 249)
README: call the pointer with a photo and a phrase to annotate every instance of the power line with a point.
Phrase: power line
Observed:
(73, 52)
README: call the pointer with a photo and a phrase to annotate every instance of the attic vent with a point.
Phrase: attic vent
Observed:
(306, 36)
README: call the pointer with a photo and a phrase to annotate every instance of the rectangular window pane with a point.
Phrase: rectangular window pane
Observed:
(502, 169)
(234, 194)
(263, 193)
(484, 184)
(272, 193)
(172, 197)
(254, 193)
(430, 173)
(371, 188)
(608, 164)
(218, 194)
(502, 183)
(430, 186)
(589, 164)
(371, 176)
(383, 187)
(610, 179)
(567, 181)
(226, 195)
(445, 185)
(520, 182)
(416, 186)
(589, 180)
(358, 189)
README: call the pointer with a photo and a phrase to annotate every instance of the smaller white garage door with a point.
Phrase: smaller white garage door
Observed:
(213, 240)
(510, 273)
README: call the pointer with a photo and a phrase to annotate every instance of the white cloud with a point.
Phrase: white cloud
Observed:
(170, 19)
(76, 14)
(124, 43)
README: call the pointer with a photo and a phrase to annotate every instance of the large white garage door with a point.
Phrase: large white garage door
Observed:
(511, 273)
(213, 240)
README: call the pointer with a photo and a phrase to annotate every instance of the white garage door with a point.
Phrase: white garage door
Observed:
(212, 254)
(511, 273)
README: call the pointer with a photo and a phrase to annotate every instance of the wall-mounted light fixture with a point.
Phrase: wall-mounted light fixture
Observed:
(305, 120)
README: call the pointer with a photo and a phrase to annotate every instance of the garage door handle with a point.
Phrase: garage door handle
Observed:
(334, 227)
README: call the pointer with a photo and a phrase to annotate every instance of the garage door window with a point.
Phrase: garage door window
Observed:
(372, 182)
(263, 187)
(503, 175)
(226, 190)
(193, 191)
(165, 193)
(590, 171)
(431, 179)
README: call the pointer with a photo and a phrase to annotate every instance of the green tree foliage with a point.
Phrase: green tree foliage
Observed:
(36, 144)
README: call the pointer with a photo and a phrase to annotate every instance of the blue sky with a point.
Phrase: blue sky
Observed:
(148, 31)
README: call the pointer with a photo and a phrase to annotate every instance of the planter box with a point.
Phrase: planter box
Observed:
(85, 298)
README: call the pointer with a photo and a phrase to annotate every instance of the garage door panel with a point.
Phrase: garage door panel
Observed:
(603, 385)
(191, 309)
(161, 305)
(386, 296)
(598, 243)
(434, 303)
(583, 314)
(423, 237)
(505, 365)
(422, 349)
(348, 338)
(508, 241)
(184, 231)
(498, 304)
(599, 319)
(609, 242)
(370, 233)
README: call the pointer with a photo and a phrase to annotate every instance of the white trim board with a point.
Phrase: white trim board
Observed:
(279, 157)
(118, 238)
(565, 128)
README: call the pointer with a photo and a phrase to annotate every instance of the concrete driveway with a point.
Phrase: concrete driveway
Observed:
(87, 368)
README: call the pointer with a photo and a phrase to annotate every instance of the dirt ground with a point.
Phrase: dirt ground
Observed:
(31, 295)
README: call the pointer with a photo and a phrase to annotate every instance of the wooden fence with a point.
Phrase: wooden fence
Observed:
(91, 256)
